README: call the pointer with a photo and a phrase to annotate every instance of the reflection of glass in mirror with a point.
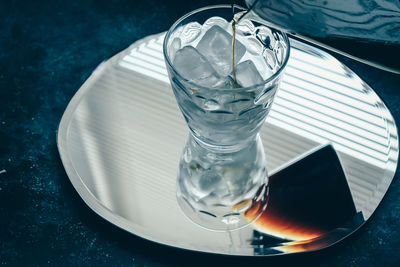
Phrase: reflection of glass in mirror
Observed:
(218, 190)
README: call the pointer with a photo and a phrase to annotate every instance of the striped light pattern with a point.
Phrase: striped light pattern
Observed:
(320, 101)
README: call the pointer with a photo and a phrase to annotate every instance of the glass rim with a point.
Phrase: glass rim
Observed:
(169, 63)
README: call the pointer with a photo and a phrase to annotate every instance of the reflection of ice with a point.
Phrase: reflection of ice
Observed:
(220, 185)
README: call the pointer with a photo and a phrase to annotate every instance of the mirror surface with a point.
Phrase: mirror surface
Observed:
(330, 143)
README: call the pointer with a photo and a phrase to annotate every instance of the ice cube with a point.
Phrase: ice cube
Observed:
(216, 21)
(190, 32)
(174, 46)
(226, 83)
(195, 67)
(216, 46)
(209, 181)
(247, 74)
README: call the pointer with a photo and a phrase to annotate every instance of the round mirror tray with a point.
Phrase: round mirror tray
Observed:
(330, 142)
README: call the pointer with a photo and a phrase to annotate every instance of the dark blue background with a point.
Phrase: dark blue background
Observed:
(47, 50)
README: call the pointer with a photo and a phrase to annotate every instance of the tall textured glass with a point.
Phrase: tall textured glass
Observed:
(224, 98)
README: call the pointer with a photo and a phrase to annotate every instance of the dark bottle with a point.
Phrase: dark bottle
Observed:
(365, 30)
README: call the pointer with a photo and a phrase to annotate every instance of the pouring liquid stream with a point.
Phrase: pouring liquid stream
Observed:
(233, 49)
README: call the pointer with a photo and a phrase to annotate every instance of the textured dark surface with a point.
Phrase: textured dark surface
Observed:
(47, 50)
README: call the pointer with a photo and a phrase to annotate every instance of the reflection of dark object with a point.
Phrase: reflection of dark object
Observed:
(308, 198)
(386, 54)
(263, 243)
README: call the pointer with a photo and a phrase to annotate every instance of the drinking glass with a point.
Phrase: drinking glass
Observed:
(224, 106)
